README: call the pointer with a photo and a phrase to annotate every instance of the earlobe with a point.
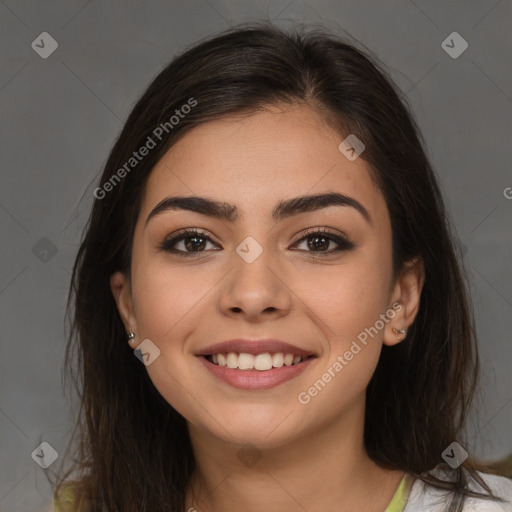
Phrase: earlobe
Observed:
(121, 290)
(407, 292)
(396, 330)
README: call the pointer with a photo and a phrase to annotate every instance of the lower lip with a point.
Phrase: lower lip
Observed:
(255, 379)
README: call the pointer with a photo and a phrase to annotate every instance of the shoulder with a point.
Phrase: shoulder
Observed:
(424, 497)
(501, 487)
(65, 500)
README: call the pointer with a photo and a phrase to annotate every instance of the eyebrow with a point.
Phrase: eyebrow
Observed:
(282, 210)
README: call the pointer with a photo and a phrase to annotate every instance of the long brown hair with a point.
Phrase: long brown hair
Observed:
(131, 449)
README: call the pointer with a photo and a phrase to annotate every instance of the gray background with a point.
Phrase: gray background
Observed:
(60, 116)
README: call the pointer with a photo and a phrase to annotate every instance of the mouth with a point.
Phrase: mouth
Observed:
(248, 363)
(255, 371)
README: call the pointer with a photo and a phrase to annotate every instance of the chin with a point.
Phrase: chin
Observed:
(263, 432)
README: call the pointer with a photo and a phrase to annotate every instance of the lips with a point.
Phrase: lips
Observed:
(255, 364)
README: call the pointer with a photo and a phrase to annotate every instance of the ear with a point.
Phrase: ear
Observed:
(121, 289)
(406, 292)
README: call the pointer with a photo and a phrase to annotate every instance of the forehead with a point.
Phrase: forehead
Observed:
(256, 160)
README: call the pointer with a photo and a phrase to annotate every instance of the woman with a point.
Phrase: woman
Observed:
(270, 242)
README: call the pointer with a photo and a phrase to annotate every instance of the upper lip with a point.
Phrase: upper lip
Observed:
(253, 346)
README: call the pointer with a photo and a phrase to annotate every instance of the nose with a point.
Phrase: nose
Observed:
(256, 291)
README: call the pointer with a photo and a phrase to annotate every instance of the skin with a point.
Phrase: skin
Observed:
(310, 456)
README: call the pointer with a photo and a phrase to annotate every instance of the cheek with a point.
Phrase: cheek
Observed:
(350, 302)
(166, 304)
(348, 298)
(350, 313)
(166, 297)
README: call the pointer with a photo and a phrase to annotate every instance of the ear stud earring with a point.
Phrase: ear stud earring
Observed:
(130, 335)
(399, 331)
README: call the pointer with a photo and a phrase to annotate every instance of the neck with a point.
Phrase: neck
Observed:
(310, 472)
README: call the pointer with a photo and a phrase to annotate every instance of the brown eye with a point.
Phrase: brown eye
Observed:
(319, 241)
(194, 242)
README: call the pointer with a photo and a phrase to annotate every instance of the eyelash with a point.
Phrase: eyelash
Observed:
(344, 243)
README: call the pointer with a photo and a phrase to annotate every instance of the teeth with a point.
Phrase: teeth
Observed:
(246, 361)
(278, 360)
(232, 360)
(261, 362)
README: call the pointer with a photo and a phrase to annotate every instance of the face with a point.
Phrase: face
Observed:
(315, 275)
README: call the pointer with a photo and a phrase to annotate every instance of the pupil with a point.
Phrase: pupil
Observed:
(194, 244)
(318, 245)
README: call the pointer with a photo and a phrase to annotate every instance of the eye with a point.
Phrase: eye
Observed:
(318, 240)
(192, 242)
